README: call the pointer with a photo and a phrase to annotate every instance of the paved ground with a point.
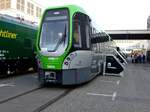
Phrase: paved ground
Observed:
(21, 94)
(128, 93)
(16, 85)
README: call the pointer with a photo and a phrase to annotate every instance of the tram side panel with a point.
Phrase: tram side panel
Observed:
(78, 69)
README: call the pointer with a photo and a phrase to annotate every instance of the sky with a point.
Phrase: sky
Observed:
(111, 14)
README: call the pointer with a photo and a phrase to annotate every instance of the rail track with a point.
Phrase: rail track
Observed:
(52, 101)
(52, 98)
(19, 95)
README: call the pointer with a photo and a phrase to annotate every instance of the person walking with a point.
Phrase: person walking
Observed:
(143, 57)
(135, 57)
(132, 57)
(139, 57)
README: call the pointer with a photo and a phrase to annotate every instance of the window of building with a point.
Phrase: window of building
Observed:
(7, 4)
(4, 4)
(21, 5)
(38, 12)
(30, 8)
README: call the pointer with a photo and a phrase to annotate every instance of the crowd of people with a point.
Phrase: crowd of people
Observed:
(138, 57)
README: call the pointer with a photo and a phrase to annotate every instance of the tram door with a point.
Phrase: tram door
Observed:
(82, 38)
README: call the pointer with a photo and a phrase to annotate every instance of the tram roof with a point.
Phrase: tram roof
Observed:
(72, 8)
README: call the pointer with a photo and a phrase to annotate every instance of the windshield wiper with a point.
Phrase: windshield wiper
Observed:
(62, 39)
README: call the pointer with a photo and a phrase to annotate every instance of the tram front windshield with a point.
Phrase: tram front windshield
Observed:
(54, 32)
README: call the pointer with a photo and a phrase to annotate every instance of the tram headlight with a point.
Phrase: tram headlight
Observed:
(66, 63)
(68, 58)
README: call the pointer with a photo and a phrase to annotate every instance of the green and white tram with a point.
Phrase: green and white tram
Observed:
(68, 51)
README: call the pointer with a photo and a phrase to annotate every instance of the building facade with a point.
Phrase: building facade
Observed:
(28, 10)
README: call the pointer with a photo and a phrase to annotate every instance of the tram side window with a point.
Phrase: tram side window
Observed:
(81, 31)
(77, 34)
(88, 36)
(85, 31)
